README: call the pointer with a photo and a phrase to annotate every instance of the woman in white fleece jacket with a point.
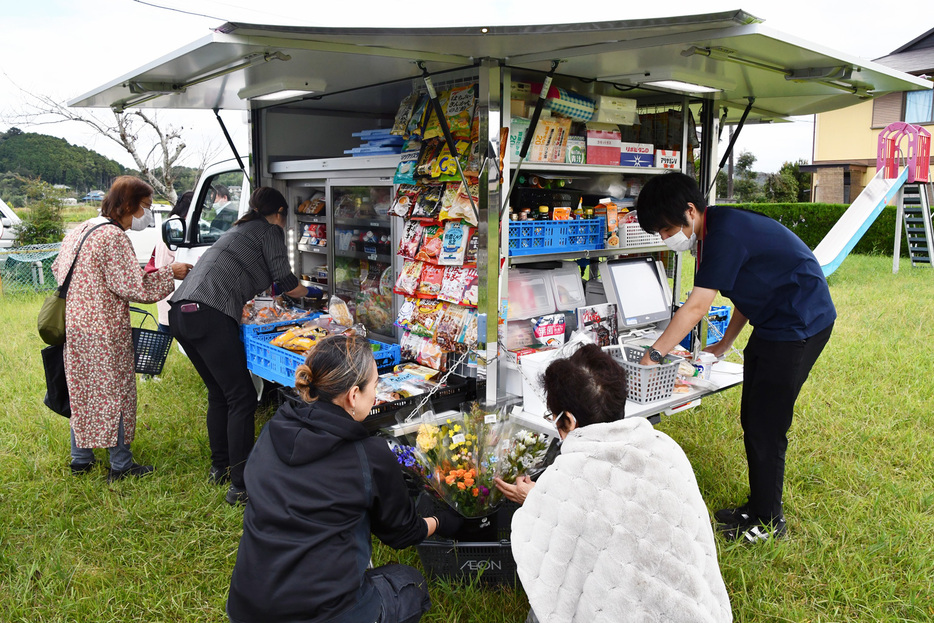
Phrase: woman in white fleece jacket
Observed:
(616, 529)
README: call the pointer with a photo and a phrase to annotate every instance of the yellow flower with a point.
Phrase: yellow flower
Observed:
(427, 438)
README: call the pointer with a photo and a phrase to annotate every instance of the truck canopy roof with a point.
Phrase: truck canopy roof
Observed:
(732, 52)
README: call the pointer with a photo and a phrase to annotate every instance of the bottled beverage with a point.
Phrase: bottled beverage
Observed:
(579, 210)
(544, 213)
(588, 212)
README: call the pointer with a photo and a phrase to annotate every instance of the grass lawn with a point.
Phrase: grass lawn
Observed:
(859, 489)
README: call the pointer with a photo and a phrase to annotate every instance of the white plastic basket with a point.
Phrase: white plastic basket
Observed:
(634, 236)
(645, 383)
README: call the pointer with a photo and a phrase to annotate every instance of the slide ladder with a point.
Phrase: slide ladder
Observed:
(880, 192)
(914, 207)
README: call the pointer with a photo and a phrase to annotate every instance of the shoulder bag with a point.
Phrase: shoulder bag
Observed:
(51, 321)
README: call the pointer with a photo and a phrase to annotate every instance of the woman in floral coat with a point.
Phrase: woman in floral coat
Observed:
(99, 356)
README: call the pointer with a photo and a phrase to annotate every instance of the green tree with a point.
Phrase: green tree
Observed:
(43, 223)
(745, 187)
(782, 187)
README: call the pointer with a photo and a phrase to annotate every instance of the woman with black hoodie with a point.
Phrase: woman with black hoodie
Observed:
(319, 486)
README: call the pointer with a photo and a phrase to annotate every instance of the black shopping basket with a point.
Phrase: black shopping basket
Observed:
(152, 347)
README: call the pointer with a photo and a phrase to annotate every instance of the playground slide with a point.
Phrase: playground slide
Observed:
(843, 236)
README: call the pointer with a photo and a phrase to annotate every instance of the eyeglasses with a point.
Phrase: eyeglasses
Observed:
(551, 417)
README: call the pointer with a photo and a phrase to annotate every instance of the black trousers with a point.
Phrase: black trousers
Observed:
(212, 341)
(773, 375)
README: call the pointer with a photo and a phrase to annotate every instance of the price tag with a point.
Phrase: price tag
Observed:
(372, 224)
(490, 418)
(372, 257)
(458, 438)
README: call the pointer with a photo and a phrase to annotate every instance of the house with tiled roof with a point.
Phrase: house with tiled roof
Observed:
(844, 150)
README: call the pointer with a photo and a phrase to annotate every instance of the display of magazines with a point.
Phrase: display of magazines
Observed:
(457, 456)
(438, 279)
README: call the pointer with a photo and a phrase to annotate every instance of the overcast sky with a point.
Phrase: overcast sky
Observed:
(65, 48)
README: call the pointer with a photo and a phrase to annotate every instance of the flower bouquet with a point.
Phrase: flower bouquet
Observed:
(456, 457)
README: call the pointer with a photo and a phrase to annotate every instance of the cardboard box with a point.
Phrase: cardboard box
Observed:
(603, 144)
(518, 127)
(618, 110)
(667, 159)
(550, 140)
(637, 154)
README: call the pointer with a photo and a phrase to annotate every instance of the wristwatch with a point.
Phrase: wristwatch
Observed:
(656, 356)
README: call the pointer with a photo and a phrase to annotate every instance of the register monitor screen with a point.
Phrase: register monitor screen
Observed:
(639, 287)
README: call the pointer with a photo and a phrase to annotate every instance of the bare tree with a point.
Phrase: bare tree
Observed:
(131, 130)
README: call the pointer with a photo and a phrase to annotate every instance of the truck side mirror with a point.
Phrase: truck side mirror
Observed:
(173, 233)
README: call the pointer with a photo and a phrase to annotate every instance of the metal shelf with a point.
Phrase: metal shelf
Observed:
(362, 222)
(304, 248)
(315, 284)
(360, 255)
(311, 218)
(528, 259)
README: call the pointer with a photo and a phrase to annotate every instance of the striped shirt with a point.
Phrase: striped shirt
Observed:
(244, 262)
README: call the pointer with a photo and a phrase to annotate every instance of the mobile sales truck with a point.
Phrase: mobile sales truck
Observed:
(605, 105)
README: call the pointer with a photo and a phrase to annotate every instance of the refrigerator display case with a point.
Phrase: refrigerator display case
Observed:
(362, 271)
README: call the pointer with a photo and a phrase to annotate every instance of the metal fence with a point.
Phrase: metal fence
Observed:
(28, 268)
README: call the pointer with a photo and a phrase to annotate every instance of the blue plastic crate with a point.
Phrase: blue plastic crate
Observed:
(719, 316)
(534, 237)
(279, 364)
(253, 329)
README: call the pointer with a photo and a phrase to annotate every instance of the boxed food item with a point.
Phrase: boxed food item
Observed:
(603, 144)
(518, 126)
(667, 159)
(550, 140)
(619, 110)
(576, 152)
(530, 294)
(637, 154)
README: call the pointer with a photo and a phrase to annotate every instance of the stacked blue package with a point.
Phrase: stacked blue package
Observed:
(377, 142)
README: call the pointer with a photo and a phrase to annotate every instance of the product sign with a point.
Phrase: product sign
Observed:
(668, 159)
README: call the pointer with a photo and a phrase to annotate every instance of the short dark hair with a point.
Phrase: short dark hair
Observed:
(664, 199)
(124, 197)
(221, 190)
(589, 384)
(335, 365)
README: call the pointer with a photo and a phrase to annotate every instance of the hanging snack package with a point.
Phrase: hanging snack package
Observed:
(430, 355)
(429, 284)
(430, 152)
(472, 289)
(404, 114)
(473, 245)
(428, 205)
(444, 168)
(408, 160)
(468, 337)
(450, 327)
(427, 316)
(447, 200)
(458, 105)
(409, 345)
(455, 281)
(430, 249)
(461, 207)
(411, 239)
(339, 311)
(406, 313)
(416, 125)
(454, 243)
(549, 330)
(474, 161)
(405, 200)
(407, 283)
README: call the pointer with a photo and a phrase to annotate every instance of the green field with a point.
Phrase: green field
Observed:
(859, 494)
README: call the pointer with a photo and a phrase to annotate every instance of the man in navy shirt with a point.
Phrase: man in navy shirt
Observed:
(777, 285)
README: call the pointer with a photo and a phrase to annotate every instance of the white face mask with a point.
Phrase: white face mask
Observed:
(680, 242)
(142, 222)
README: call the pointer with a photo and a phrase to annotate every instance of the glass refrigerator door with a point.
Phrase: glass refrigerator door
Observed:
(362, 247)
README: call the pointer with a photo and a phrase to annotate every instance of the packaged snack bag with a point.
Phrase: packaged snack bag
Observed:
(407, 283)
(429, 284)
(549, 330)
(427, 315)
(408, 160)
(454, 243)
(339, 311)
(406, 313)
(404, 114)
(430, 248)
(428, 205)
(454, 284)
(411, 239)
(450, 327)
